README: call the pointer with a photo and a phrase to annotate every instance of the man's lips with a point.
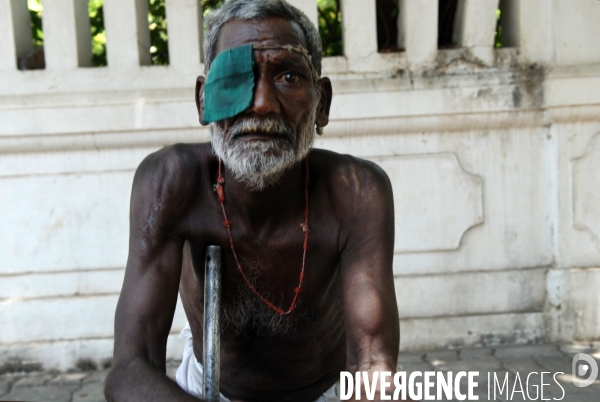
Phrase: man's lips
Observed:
(261, 136)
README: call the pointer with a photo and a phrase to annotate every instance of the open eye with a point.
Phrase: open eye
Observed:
(291, 78)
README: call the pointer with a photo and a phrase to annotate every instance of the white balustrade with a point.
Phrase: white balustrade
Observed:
(359, 27)
(67, 39)
(14, 31)
(528, 25)
(127, 33)
(576, 41)
(418, 30)
(185, 33)
(474, 27)
(535, 38)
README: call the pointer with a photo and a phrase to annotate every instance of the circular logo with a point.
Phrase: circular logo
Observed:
(581, 370)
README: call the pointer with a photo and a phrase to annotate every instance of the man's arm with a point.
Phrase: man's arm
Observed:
(370, 309)
(147, 302)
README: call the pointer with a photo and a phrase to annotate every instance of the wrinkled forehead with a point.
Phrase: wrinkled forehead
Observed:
(271, 31)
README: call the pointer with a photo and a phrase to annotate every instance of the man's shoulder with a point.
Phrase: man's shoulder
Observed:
(360, 193)
(347, 172)
(172, 174)
(176, 158)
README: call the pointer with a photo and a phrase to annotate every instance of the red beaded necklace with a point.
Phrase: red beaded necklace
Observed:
(219, 189)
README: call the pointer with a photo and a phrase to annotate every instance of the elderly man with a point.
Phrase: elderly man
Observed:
(307, 235)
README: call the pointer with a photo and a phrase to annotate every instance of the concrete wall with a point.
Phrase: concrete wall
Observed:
(493, 156)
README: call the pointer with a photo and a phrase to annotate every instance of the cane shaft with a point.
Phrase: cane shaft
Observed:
(212, 341)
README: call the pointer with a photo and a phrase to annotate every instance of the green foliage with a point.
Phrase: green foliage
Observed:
(35, 17)
(330, 27)
(209, 5)
(96, 12)
(157, 23)
(498, 33)
(98, 36)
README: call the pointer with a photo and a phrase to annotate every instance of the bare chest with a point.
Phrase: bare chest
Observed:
(255, 336)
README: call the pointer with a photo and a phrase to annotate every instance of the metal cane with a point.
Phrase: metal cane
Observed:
(212, 341)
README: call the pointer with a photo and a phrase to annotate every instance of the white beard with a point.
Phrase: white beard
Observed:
(261, 164)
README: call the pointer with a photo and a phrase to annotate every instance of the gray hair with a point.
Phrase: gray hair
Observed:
(259, 10)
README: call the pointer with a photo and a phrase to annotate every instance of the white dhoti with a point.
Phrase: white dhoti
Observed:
(189, 374)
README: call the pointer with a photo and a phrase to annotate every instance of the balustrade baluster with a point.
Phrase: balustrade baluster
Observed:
(474, 27)
(359, 27)
(127, 33)
(15, 33)
(185, 33)
(67, 40)
(534, 31)
(418, 30)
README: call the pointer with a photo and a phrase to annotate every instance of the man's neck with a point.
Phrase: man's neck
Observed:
(261, 209)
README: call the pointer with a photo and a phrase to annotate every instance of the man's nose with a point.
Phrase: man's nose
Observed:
(265, 98)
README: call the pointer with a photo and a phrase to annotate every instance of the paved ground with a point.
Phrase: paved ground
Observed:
(512, 362)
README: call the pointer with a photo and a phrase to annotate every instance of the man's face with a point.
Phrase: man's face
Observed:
(277, 130)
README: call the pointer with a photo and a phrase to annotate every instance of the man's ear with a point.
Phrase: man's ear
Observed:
(324, 103)
(200, 98)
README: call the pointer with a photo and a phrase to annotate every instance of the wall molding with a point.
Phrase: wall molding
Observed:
(143, 138)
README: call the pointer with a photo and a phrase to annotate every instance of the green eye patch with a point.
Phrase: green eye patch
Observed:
(229, 86)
